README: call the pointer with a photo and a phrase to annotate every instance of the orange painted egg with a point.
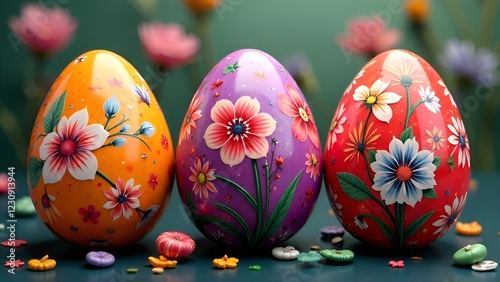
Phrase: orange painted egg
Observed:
(100, 159)
(397, 162)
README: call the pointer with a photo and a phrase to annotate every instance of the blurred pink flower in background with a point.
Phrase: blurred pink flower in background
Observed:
(368, 36)
(44, 30)
(4, 182)
(167, 44)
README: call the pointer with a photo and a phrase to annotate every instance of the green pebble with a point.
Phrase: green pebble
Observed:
(470, 254)
(338, 255)
(25, 207)
(132, 270)
(254, 267)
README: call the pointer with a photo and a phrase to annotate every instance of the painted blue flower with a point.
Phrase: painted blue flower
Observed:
(142, 92)
(119, 142)
(146, 129)
(402, 173)
(462, 59)
(125, 128)
(111, 106)
(147, 215)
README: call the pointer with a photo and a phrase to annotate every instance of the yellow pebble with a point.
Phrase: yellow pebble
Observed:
(315, 248)
(157, 270)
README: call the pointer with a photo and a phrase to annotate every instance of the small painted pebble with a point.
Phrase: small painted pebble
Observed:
(315, 248)
(25, 207)
(328, 232)
(2, 226)
(100, 259)
(132, 270)
(337, 240)
(417, 258)
(470, 254)
(338, 255)
(254, 267)
(396, 264)
(484, 265)
(157, 270)
(285, 253)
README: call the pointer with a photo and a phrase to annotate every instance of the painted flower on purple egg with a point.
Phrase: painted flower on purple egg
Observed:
(89, 214)
(123, 199)
(239, 130)
(445, 221)
(192, 115)
(70, 148)
(313, 166)
(142, 93)
(337, 126)
(430, 99)
(202, 177)
(403, 172)
(376, 99)
(460, 140)
(303, 125)
(49, 208)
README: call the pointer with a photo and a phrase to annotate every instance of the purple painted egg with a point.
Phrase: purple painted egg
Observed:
(248, 161)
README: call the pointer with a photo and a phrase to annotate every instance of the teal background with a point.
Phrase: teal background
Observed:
(278, 27)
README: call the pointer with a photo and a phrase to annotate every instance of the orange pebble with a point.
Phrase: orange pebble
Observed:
(468, 229)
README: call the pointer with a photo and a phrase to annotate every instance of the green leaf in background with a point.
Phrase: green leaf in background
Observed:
(353, 186)
(35, 168)
(416, 224)
(437, 161)
(429, 193)
(52, 118)
(389, 233)
(407, 134)
(237, 217)
(371, 155)
(281, 209)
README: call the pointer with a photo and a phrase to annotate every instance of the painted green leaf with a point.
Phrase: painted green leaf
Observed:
(353, 186)
(371, 155)
(240, 189)
(231, 68)
(224, 225)
(389, 233)
(451, 163)
(436, 161)
(52, 118)
(193, 213)
(237, 217)
(406, 134)
(35, 167)
(429, 193)
(416, 224)
(281, 209)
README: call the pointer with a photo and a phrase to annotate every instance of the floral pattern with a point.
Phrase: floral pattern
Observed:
(192, 115)
(312, 165)
(435, 138)
(202, 177)
(447, 220)
(376, 99)
(359, 143)
(403, 172)
(49, 208)
(303, 124)
(70, 148)
(336, 126)
(89, 214)
(430, 99)
(460, 140)
(123, 199)
(239, 130)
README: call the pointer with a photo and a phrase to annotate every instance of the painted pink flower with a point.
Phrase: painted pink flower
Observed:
(49, 208)
(303, 125)
(89, 214)
(153, 181)
(167, 44)
(192, 115)
(164, 141)
(368, 35)
(239, 130)
(337, 126)
(460, 140)
(452, 212)
(123, 199)
(202, 177)
(44, 30)
(312, 165)
(70, 148)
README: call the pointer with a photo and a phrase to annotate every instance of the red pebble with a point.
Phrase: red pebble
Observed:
(396, 264)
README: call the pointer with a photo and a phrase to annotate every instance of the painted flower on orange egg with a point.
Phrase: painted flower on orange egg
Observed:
(202, 177)
(403, 172)
(239, 130)
(49, 208)
(337, 126)
(312, 165)
(123, 199)
(89, 214)
(193, 114)
(376, 99)
(303, 125)
(358, 142)
(447, 220)
(460, 140)
(70, 148)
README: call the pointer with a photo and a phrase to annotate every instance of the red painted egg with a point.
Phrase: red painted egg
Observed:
(175, 244)
(397, 161)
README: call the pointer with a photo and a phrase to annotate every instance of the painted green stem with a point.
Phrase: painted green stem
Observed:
(400, 216)
(129, 135)
(408, 105)
(412, 109)
(268, 190)
(118, 124)
(240, 189)
(105, 178)
(258, 225)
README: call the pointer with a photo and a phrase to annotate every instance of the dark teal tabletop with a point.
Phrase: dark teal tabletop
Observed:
(369, 263)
